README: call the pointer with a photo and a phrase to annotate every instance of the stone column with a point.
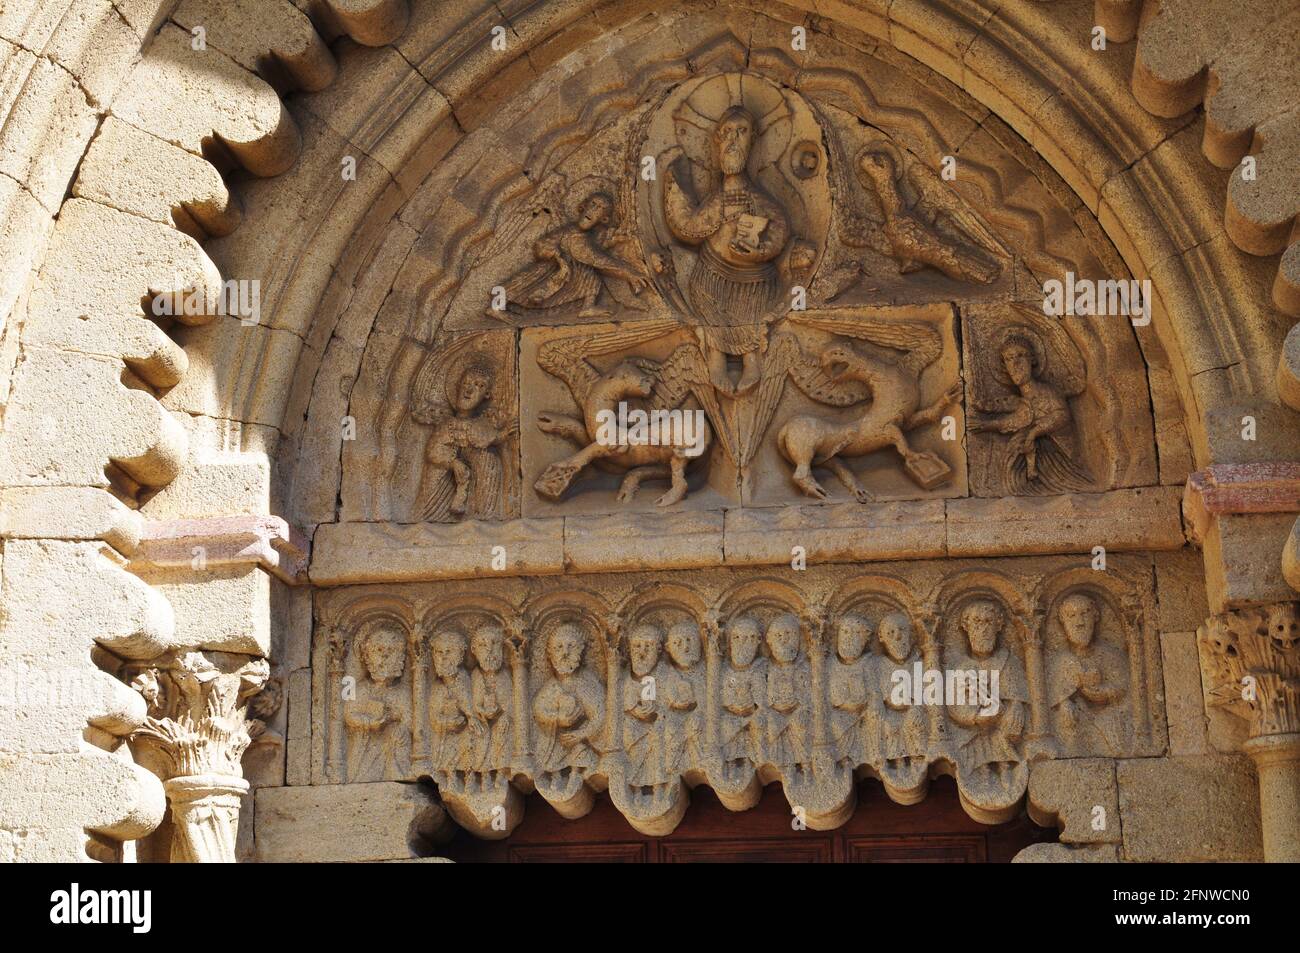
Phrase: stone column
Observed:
(193, 739)
(1253, 671)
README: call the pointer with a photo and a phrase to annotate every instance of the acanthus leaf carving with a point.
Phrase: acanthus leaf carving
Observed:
(1255, 666)
(194, 738)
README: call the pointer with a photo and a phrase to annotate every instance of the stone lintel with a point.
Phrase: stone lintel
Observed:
(1145, 519)
(346, 553)
(1121, 520)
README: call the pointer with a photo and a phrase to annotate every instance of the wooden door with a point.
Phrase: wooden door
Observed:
(935, 831)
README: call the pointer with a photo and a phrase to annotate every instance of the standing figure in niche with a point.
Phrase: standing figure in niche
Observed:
(1086, 681)
(569, 710)
(462, 463)
(904, 728)
(643, 726)
(451, 710)
(681, 691)
(743, 685)
(379, 741)
(789, 688)
(734, 286)
(1042, 453)
(492, 692)
(993, 726)
(852, 719)
(572, 263)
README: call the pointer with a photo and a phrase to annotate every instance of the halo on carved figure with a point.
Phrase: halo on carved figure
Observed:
(697, 113)
(460, 407)
(1057, 359)
(621, 239)
(782, 121)
(432, 391)
(882, 146)
(586, 188)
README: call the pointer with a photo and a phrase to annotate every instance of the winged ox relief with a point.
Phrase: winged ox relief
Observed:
(872, 367)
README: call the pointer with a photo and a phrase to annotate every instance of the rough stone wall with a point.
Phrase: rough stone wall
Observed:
(128, 159)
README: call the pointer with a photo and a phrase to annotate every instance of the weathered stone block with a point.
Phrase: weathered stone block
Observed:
(347, 823)
(1189, 809)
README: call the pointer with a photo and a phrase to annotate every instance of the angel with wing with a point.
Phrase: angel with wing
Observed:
(462, 466)
(574, 261)
(1041, 371)
(655, 386)
(884, 366)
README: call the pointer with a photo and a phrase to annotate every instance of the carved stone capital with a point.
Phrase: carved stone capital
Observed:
(196, 732)
(1254, 666)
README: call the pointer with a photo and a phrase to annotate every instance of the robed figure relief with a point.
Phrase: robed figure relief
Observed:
(789, 695)
(991, 720)
(853, 723)
(1025, 375)
(904, 725)
(643, 722)
(575, 262)
(1088, 681)
(734, 222)
(379, 736)
(682, 690)
(451, 708)
(463, 473)
(492, 701)
(739, 230)
(569, 708)
(743, 688)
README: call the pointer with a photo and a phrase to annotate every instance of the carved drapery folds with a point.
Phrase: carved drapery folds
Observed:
(775, 257)
(649, 689)
(194, 737)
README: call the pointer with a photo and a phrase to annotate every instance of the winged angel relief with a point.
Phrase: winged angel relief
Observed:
(463, 473)
(1025, 376)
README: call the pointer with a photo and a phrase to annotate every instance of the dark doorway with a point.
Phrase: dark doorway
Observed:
(880, 831)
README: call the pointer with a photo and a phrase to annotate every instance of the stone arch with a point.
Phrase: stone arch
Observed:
(245, 392)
